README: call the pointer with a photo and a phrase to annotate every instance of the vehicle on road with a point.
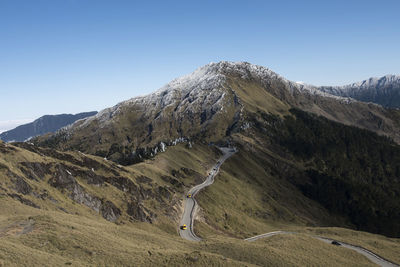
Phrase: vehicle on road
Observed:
(190, 205)
(334, 242)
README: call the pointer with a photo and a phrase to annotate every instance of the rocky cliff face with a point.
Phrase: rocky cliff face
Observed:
(384, 91)
(47, 179)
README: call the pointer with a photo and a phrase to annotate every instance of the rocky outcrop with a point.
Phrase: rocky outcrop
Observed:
(138, 212)
(35, 170)
(64, 181)
(5, 149)
(84, 179)
(20, 185)
(172, 181)
(23, 200)
(109, 211)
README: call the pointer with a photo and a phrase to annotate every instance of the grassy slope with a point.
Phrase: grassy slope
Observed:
(248, 198)
(84, 238)
(13, 162)
(386, 247)
(64, 239)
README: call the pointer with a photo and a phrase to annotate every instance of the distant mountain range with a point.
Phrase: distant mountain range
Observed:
(43, 125)
(384, 91)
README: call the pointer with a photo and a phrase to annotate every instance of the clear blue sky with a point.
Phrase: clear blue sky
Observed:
(68, 56)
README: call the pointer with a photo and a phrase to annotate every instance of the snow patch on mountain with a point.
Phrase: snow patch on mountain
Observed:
(250, 71)
(202, 90)
(203, 85)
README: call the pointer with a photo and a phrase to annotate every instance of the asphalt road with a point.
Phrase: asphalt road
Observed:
(191, 204)
(370, 255)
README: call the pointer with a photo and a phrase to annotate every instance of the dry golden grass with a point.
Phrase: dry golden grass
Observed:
(83, 240)
(385, 247)
(256, 97)
(231, 210)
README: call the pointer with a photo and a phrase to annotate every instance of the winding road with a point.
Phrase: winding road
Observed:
(191, 204)
(370, 255)
(191, 208)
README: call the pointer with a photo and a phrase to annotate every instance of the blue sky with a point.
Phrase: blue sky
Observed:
(68, 56)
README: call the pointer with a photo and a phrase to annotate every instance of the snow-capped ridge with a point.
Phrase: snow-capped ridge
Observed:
(383, 90)
(205, 82)
(204, 79)
(377, 81)
(373, 82)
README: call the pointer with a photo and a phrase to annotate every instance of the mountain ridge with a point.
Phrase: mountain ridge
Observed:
(209, 76)
(42, 125)
(209, 103)
(213, 75)
(383, 90)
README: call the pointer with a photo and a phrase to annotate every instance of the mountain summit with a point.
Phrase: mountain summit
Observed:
(210, 104)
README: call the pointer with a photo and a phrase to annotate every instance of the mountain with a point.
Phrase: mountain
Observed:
(210, 104)
(290, 129)
(384, 91)
(307, 162)
(43, 125)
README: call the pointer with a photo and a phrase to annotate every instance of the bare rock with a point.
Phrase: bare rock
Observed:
(138, 212)
(24, 200)
(20, 185)
(110, 212)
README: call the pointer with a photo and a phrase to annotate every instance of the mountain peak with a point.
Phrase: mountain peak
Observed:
(206, 82)
(242, 68)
